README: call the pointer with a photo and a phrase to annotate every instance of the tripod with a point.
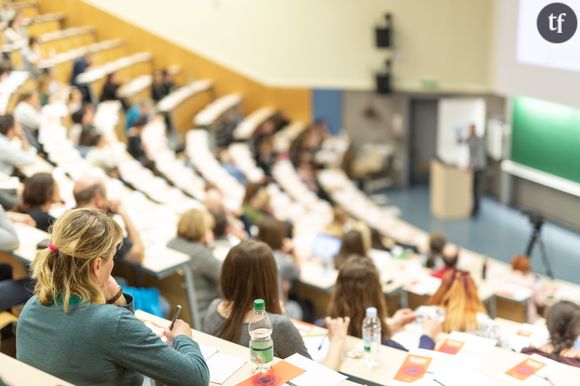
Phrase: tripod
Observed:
(535, 238)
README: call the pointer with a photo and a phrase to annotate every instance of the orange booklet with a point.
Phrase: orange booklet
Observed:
(525, 333)
(525, 369)
(278, 375)
(413, 368)
(450, 346)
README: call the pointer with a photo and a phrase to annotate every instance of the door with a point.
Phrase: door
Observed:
(423, 139)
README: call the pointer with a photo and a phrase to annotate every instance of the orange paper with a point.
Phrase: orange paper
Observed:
(450, 346)
(524, 370)
(278, 375)
(413, 368)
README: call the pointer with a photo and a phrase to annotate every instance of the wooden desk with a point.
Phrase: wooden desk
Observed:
(27, 8)
(182, 104)
(246, 128)
(67, 39)
(103, 51)
(16, 373)
(212, 112)
(222, 345)
(493, 365)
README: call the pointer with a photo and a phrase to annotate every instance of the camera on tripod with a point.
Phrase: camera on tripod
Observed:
(536, 219)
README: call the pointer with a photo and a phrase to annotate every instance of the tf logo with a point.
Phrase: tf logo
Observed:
(557, 23)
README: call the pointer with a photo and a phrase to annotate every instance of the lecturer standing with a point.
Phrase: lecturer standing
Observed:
(477, 163)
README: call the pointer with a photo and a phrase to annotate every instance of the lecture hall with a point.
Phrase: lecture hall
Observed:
(371, 192)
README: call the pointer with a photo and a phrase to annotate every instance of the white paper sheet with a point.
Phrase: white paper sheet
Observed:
(315, 375)
(222, 366)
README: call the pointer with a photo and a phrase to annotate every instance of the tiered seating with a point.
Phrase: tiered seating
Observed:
(181, 175)
(242, 157)
(284, 138)
(182, 104)
(137, 89)
(215, 110)
(246, 128)
(67, 39)
(155, 222)
(103, 51)
(198, 150)
(133, 172)
(26, 8)
(48, 22)
(127, 68)
(355, 202)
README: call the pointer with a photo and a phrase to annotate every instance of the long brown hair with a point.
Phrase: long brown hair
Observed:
(458, 295)
(249, 272)
(38, 190)
(271, 232)
(352, 243)
(81, 236)
(558, 321)
(358, 287)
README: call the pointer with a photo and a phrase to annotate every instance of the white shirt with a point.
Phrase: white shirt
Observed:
(11, 156)
(27, 115)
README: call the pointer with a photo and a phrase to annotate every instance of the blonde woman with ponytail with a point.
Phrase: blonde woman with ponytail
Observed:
(79, 326)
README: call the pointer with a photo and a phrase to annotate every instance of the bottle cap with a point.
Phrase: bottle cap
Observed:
(371, 312)
(259, 305)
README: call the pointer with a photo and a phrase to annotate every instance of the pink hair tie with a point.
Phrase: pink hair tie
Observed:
(52, 248)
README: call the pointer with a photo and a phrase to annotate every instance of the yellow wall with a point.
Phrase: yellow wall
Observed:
(326, 43)
(295, 102)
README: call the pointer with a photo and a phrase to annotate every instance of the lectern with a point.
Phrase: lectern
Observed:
(451, 191)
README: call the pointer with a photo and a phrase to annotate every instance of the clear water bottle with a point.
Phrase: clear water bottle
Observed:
(261, 344)
(371, 331)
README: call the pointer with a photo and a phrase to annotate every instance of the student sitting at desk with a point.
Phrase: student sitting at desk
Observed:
(15, 33)
(249, 272)
(79, 326)
(273, 233)
(521, 275)
(352, 244)
(110, 88)
(437, 242)
(39, 195)
(458, 297)
(563, 323)
(340, 220)
(158, 90)
(90, 192)
(255, 205)
(12, 292)
(10, 155)
(193, 236)
(450, 259)
(358, 287)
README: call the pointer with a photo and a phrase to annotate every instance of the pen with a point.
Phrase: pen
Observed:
(175, 316)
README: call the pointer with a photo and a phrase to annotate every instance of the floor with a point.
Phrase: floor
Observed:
(499, 232)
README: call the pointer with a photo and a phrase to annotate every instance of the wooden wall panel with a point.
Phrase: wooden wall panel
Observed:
(294, 102)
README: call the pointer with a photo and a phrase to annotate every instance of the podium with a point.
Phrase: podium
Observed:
(451, 191)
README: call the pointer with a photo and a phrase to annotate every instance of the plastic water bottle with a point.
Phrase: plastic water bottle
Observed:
(261, 344)
(371, 330)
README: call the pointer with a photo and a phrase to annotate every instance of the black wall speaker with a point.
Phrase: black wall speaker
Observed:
(383, 83)
(383, 33)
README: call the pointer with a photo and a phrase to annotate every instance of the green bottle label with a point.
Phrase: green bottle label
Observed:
(262, 351)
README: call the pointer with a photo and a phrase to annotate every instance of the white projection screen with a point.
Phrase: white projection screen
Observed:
(454, 117)
(534, 50)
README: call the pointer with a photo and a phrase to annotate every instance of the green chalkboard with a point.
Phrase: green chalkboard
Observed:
(546, 136)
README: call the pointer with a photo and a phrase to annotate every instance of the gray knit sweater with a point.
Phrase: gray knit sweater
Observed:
(102, 344)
